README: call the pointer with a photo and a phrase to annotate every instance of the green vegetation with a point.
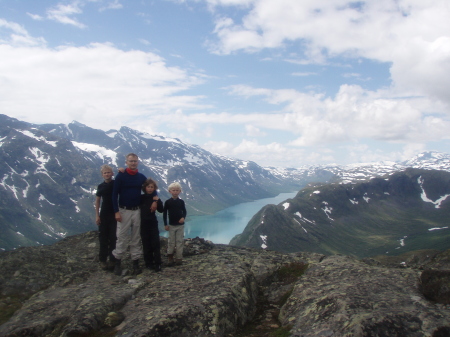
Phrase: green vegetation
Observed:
(284, 331)
(291, 272)
(386, 216)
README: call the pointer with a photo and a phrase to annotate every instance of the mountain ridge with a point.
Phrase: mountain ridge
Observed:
(57, 167)
(404, 211)
(51, 171)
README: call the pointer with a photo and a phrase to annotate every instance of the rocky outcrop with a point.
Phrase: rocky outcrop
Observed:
(345, 297)
(60, 290)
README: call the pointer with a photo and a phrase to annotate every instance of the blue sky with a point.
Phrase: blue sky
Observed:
(283, 83)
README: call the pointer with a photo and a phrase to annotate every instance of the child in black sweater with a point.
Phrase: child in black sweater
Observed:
(105, 220)
(149, 225)
(175, 210)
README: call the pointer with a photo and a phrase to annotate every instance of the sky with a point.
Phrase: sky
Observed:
(285, 83)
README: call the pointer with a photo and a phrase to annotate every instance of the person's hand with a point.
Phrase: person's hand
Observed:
(118, 217)
(121, 169)
(166, 228)
(97, 220)
(153, 206)
(181, 220)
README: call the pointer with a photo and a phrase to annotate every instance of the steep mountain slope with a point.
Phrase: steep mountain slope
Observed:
(45, 194)
(404, 211)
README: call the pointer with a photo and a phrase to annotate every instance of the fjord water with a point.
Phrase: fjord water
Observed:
(222, 226)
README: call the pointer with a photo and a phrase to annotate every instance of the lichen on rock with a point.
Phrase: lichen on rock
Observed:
(62, 291)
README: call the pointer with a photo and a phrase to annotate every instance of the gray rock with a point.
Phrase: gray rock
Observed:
(342, 296)
(64, 292)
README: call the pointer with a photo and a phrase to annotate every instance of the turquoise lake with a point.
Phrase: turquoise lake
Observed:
(222, 226)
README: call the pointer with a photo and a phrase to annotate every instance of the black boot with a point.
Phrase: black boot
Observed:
(157, 268)
(117, 268)
(136, 269)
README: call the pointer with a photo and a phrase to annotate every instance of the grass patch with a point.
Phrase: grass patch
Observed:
(291, 272)
(284, 331)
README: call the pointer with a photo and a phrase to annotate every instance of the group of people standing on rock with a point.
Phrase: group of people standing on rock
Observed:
(128, 215)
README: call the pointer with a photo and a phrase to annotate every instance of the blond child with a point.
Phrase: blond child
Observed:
(175, 210)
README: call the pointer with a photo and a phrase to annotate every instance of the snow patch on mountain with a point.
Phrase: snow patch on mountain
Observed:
(28, 133)
(77, 209)
(327, 209)
(25, 190)
(111, 133)
(42, 198)
(423, 195)
(101, 152)
(41, 158)
(437, 228)
(264, 240)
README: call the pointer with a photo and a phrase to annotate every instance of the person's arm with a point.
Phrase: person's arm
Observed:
(166, 225)
(154, 205)
(183, 211)
(159, 206)
(115, 196)
(97, 210)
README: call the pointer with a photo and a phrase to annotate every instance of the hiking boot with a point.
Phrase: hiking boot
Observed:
(117, 268)
(136, 269)
(111, 265)
(170, 261)
(103, 265)
(178, 262)
(157, 268)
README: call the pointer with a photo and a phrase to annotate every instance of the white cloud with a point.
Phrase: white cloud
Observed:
(94, 85)
(253, 131)
(272, 154)
(304, 74)
(112, 5)
(14, 34)
(35, 16)
(352, 114)
(412, 35)
(63, 13)
(103, 86)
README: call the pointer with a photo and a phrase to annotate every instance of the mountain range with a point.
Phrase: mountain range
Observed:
(50, 173)
(400, 212)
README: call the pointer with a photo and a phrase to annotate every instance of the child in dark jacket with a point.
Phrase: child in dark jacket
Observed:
(105, 220)
(149, 225)
(175, 210)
